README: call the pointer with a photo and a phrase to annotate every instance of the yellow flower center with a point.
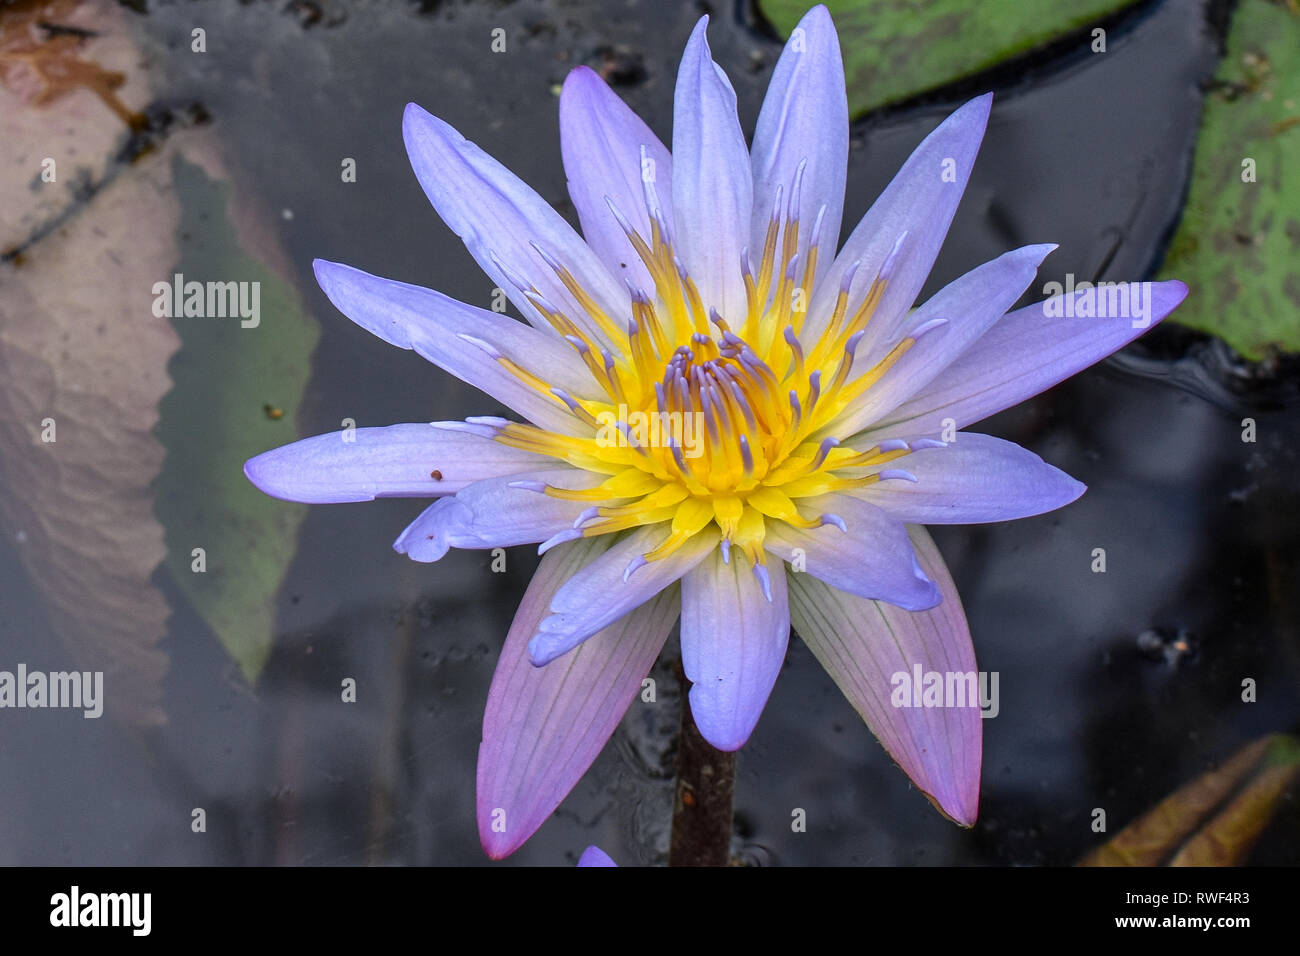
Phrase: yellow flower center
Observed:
(696, 423)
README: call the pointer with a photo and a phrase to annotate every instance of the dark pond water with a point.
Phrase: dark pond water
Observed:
(1200, 529)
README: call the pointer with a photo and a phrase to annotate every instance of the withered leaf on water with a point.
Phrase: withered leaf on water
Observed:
(1216, 819)
(89, 223)
(75, 347)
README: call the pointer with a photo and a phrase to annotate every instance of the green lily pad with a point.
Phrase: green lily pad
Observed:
(1238, 245)
(895, 49)
(236, 388)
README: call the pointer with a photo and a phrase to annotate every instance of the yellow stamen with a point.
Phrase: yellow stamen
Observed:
(715, 429)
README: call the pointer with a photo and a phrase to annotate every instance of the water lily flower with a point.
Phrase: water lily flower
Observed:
(810, 418)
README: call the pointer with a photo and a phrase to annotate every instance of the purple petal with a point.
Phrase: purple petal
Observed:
(712, 182)
(397, 461)
(971, 305)
(864, 645)
(920, 201)
(805, 117)
(497, 215)
(412, 317)
(974, 479)
(1026, 352)
(495, 514)
(873, 559)
(601, 592)
(733, 645)
(545, 725)
(601, 140)
(595, 856)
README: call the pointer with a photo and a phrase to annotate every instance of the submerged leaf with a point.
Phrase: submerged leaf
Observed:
(237, 383)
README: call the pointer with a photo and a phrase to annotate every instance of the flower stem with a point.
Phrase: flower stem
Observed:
(706, 780)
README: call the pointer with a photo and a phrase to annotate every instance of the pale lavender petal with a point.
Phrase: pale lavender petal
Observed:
(496, 513)
(499, 217)
(918, 206)
(970, 305)
(1026, 352)
(603, 591)
(865, 646)
(974, 479)
(397, 461)
(545, 725)
(733, 644)
(412, 317)
(805, 118)
(607, 149)
(873, 558)
(595, 856)
(712, 182)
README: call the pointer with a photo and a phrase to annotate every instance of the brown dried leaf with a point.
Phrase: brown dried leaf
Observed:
(1214, 820)
(78, 343)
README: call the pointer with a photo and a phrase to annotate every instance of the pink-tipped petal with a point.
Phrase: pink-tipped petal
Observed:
(866, 645)
(545, 725)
